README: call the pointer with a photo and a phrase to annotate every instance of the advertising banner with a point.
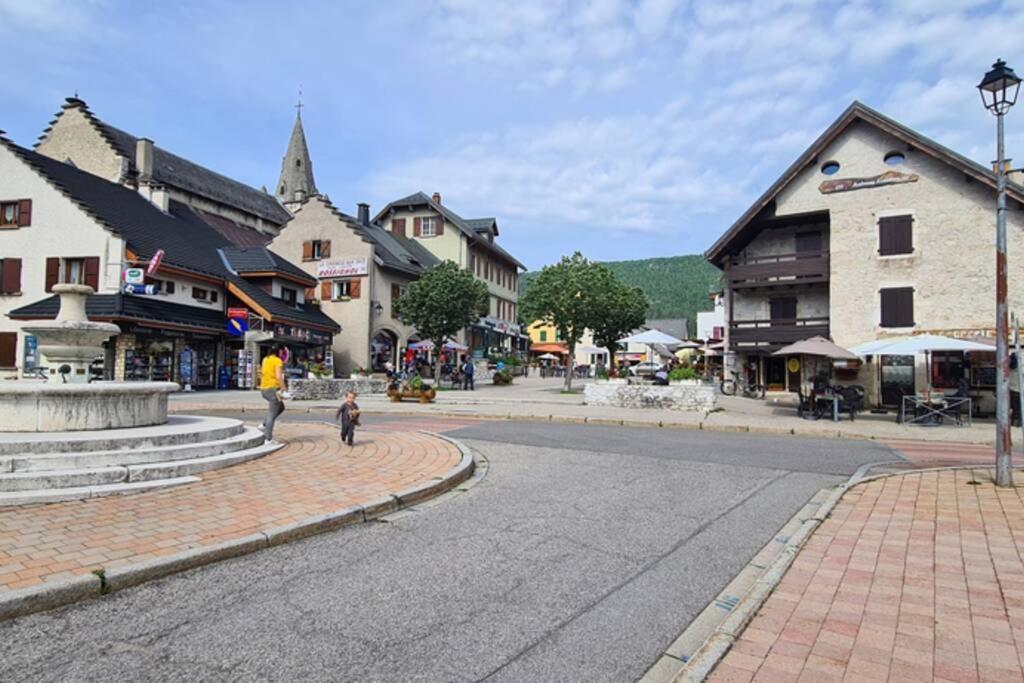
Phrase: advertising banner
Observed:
(342, 268)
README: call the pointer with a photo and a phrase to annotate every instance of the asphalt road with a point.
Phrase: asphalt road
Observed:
(581, 556)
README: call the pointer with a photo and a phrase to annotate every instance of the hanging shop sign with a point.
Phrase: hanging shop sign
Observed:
(847, 184)
(303, 334)
(343, 268)
(237, 327)
(154, 263)
(139, 289)
(238, 313)
(135, 276)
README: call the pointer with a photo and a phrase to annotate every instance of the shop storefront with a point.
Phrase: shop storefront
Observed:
(148, 354)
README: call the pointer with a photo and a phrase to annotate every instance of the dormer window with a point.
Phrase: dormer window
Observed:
(428, 227)
(289, 296)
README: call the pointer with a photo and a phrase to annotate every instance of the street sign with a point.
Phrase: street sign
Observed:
(238, 313)
(135, 276)
(237, 327)
(139, 289)
(154, 263)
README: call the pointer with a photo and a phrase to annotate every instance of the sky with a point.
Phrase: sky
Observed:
(620, 128)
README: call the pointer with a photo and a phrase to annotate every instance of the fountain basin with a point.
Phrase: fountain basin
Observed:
(28, 406)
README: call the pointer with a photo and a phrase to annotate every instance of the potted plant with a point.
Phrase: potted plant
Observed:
(683, 375)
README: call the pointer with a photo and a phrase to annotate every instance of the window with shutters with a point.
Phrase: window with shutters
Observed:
(343, 290)
(398, 226)
(543, 335)
(428, 227)
(895, 235)
(319, 249)
(8, 214)
(10, 276)
(72, 271)
(397, 292)
(897, 307)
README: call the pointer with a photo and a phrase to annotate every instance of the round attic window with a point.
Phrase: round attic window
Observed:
(895, 158)
(830, 167)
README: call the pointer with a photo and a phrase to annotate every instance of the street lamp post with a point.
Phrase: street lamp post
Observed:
(998, 93)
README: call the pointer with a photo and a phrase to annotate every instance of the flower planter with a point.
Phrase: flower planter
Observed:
(425, 394)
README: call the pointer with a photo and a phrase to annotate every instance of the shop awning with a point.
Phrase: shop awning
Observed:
(547, 348)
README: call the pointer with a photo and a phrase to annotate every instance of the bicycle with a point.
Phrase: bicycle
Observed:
(730, 386)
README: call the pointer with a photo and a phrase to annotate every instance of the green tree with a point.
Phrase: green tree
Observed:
(443, 301)
(620, 309)
(565, 296)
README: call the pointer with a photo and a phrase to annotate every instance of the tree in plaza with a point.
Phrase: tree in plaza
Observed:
(443, 301)
(565, 295)
(620, 310)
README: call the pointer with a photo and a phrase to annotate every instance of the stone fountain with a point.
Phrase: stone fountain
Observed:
(67, 401)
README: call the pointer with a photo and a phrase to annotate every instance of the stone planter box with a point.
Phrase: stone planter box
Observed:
(332, 389)
(683, 397)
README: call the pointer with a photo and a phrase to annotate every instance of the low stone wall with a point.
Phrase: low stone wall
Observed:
(696, 397)
(329, 389)
(31, 406)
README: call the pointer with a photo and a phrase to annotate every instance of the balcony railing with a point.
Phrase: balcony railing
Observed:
(807, 267)
(778, 331)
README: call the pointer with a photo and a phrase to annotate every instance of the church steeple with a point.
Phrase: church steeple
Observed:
(296, 183)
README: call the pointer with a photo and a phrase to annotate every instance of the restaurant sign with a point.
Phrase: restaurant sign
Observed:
(302, 334)
(847, 184)
(343, 268)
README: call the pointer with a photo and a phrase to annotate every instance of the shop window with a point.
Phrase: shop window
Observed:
(16, 214)
(10, 276)
(289, 296)
(895, 235)
(947, 369)
(897, 307)
(200, 294)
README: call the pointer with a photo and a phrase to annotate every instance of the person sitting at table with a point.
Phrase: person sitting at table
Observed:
(661, 376)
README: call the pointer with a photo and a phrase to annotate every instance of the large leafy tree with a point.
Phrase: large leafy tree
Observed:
(565, 295)
(443, 301)
(620, 309)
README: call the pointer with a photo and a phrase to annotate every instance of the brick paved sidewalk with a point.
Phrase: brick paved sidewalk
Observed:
(314, 474)
(913, 578)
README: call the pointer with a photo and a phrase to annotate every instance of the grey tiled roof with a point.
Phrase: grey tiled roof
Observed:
(303, 314)
(261, 259)
(481, 224)
(171, 169)
(136, 308)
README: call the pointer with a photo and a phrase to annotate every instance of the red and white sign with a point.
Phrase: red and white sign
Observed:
(343, 268)
(154, 263)
(238, 313)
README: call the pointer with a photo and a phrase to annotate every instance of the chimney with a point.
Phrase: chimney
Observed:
(437, 197)
(144, 157)
(363, 213)
(160, 197)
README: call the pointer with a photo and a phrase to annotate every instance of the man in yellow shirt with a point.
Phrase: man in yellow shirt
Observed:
(272, 387)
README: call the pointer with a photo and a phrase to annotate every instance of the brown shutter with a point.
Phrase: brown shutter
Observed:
(325, 290)
(783, 310)
(416, 226)
(11, 283)
(354, 288)
(8, 349)
(92, 272)
(440, 226)
(398, 226)
(310, 293)
(307, 251)
(898, 307)
(895, 235)
(325, 249)
(52, 273)
(24, 213)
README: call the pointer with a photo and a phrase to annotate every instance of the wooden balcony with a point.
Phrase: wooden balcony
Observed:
(801, 268)
(776, 332)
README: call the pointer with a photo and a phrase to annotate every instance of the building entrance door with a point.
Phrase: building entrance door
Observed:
(897, 379)
(775, 373)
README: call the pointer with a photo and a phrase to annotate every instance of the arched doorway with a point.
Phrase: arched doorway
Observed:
(384, 349)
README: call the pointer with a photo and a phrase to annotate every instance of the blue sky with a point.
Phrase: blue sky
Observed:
(623, 129)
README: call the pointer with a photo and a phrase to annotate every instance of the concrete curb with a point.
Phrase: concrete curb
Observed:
(59, 593)
(698, 667)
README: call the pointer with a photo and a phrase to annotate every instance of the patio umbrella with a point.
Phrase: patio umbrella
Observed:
(547, 356)
(816, 346)
(425, 345)
(452, 345)
(921, 343)
(652, 338)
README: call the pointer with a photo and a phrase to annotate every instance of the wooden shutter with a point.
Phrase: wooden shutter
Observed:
(8, 349)
(355, 287)
(52, 273)
(398, 226)
(24, 213)
(11, 280)
(416, 227)
(325, 290)
(307, 251)
(895, 235)
(783, 310)
(439, 226)
(898, 307)
(325, 248)
(309, 293)
(92, 272)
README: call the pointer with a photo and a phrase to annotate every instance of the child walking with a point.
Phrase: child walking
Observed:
(348, 413)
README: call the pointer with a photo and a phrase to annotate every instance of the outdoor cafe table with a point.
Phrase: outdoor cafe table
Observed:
(826, 398)
(932, 410)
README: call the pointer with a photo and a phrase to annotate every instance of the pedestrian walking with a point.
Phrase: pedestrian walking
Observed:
(468, 371)
(348, 414)
(273, 387)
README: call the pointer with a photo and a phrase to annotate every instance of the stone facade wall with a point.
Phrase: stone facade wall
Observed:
(330, 389)
(74, 137)
(683, 397)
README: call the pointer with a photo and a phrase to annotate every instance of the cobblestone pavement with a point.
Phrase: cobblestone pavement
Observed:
(913, 578)
(314, 474)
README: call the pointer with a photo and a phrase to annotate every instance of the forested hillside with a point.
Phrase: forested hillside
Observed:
(677, 286)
